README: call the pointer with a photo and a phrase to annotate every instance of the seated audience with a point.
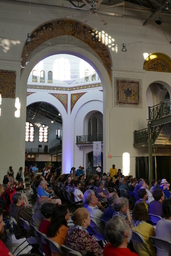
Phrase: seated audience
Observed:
(138, 185)
(104, 178)
(156, 206)
(123, 184)
(46, 211)
(143, 196)
(108, 213)
(150, 196)
(18, 211)
(10, 172)
(58, 228)
(164, 185)
(41, 191)
(140, 216)
(121, 206)
(78, 194)
(132, 184)
(101, 192)
(163, 228)
(153, 186)
(91, 203)
(79, 239)
(119, 235)
(3, 249)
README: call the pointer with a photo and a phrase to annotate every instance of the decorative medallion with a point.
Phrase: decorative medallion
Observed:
(157, 62)
(7, 83)
(63, 98)
(74, 98)
(62, 27)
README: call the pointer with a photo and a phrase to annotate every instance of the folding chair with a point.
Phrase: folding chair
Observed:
(26, 240)
(69, 252)
(163, 247)
(38, 239)
(53, 245)
(95, 231)
(138, 239)
(154, 218)
(45, 245)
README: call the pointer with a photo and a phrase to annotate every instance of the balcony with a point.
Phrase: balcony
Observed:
(84, 140)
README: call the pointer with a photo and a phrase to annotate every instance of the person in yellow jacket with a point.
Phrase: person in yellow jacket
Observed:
(139, 216)
(113, 171)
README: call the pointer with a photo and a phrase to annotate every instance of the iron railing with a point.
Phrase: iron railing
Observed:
(160, 110)
(36, 150)
(141, 136)
(88, 139)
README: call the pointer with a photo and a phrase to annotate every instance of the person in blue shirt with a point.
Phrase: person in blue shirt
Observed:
(164, 185)
(41, 191)
(79, 171)
(108, 213)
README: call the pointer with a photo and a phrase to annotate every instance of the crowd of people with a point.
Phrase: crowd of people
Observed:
(100, 199)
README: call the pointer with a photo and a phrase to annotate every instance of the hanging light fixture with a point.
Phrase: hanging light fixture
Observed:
(28, 40)
(124, 49)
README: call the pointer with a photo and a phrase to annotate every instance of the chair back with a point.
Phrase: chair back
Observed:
(138, 239)
(26, 224)
(95, 231)
(154, 218)
(38, 238)
(43, 236)
(163, 247)
(53, 245)
(69, 252)
(123, 193)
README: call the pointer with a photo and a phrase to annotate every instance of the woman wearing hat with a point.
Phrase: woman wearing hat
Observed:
(164, 185)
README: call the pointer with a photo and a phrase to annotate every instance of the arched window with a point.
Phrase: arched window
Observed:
(43, 133)
(87, 75)
(50, 77)
(42, 76)
(34, 76)
(126, 163)
(29, 132)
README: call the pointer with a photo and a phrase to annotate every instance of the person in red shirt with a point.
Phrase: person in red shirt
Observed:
(3, 249)
(119, 235)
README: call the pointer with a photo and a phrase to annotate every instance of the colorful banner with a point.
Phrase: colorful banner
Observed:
(97, 153)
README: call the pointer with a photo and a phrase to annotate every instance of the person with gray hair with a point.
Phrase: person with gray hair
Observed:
(121, 206)
(119, 235)
(42, 189)
(17, 211)
(108, 213)
(91, 203)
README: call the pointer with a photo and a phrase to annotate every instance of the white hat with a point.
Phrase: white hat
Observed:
(164, 181)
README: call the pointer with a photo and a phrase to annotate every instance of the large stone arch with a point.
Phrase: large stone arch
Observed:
(55, 28)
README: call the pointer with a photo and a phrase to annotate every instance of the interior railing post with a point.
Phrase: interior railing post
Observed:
(150, 155)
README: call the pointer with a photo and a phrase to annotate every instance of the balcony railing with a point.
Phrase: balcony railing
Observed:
(160, 110)
(141, 136)
(37, 150)
(88, 139)
(56, 149)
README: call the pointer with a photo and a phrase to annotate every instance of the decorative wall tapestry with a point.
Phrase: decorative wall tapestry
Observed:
(127, 92)
(74, 98)
(63, 98)
(7, 83)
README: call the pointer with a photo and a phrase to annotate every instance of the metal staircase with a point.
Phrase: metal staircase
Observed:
(159, 127)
